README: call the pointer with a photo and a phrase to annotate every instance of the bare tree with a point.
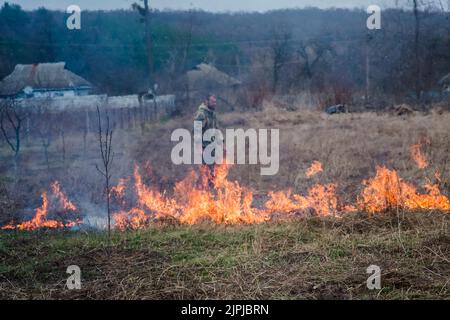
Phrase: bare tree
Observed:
(105, 143)
(416, 49)
(11, 127)
(311, 55)
(144, 11)
(280, 52)
(367, 84)
(188, 41)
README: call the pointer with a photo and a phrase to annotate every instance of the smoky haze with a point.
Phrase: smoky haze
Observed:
(216, 6)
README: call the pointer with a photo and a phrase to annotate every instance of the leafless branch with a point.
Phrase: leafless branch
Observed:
(105, 143)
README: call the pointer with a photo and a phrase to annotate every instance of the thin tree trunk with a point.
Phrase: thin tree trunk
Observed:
(148, 41)
(108, 202)
(367, 93)
(418, 75)
(105, 143)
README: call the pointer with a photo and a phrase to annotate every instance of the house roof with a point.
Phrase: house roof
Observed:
(40, 76)
(207, 76)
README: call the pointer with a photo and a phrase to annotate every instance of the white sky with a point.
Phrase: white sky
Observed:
(208, 5)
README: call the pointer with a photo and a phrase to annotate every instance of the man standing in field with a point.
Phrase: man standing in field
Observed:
(206, 114)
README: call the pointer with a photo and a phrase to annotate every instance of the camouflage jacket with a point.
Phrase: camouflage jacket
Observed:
(208, 119)
(207, 116)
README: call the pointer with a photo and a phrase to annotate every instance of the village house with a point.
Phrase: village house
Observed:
(49, 88)
(207, 79)
(43, 80)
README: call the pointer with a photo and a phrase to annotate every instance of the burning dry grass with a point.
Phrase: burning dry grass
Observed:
(309, 258)
(410, 172)
(383, 165)
(66, 212)
(349, 147)
(213, 197)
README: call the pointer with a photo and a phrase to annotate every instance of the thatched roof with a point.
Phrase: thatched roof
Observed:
(40, 76)
(205, 76)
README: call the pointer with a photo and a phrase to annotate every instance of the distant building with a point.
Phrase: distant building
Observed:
(206, 78)
(43, 80)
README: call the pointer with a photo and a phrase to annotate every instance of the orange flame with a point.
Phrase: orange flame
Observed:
(417, 155)
(388, 191)
(437, 175)
(321, 199)
(62, 198)
(314, 169)
(224, 201)
(40, 221)
(119, 190)
(193, 201)
(227, 202)
(211, 196)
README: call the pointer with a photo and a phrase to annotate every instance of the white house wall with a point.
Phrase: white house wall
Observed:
(162, 104)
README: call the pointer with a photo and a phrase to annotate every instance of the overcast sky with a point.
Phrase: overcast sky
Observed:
(208, 5)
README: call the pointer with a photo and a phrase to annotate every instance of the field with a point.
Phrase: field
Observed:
(313, 258)
(310, 257)
(336, 127)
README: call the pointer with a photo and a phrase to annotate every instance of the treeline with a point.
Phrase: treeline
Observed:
(285, 51)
